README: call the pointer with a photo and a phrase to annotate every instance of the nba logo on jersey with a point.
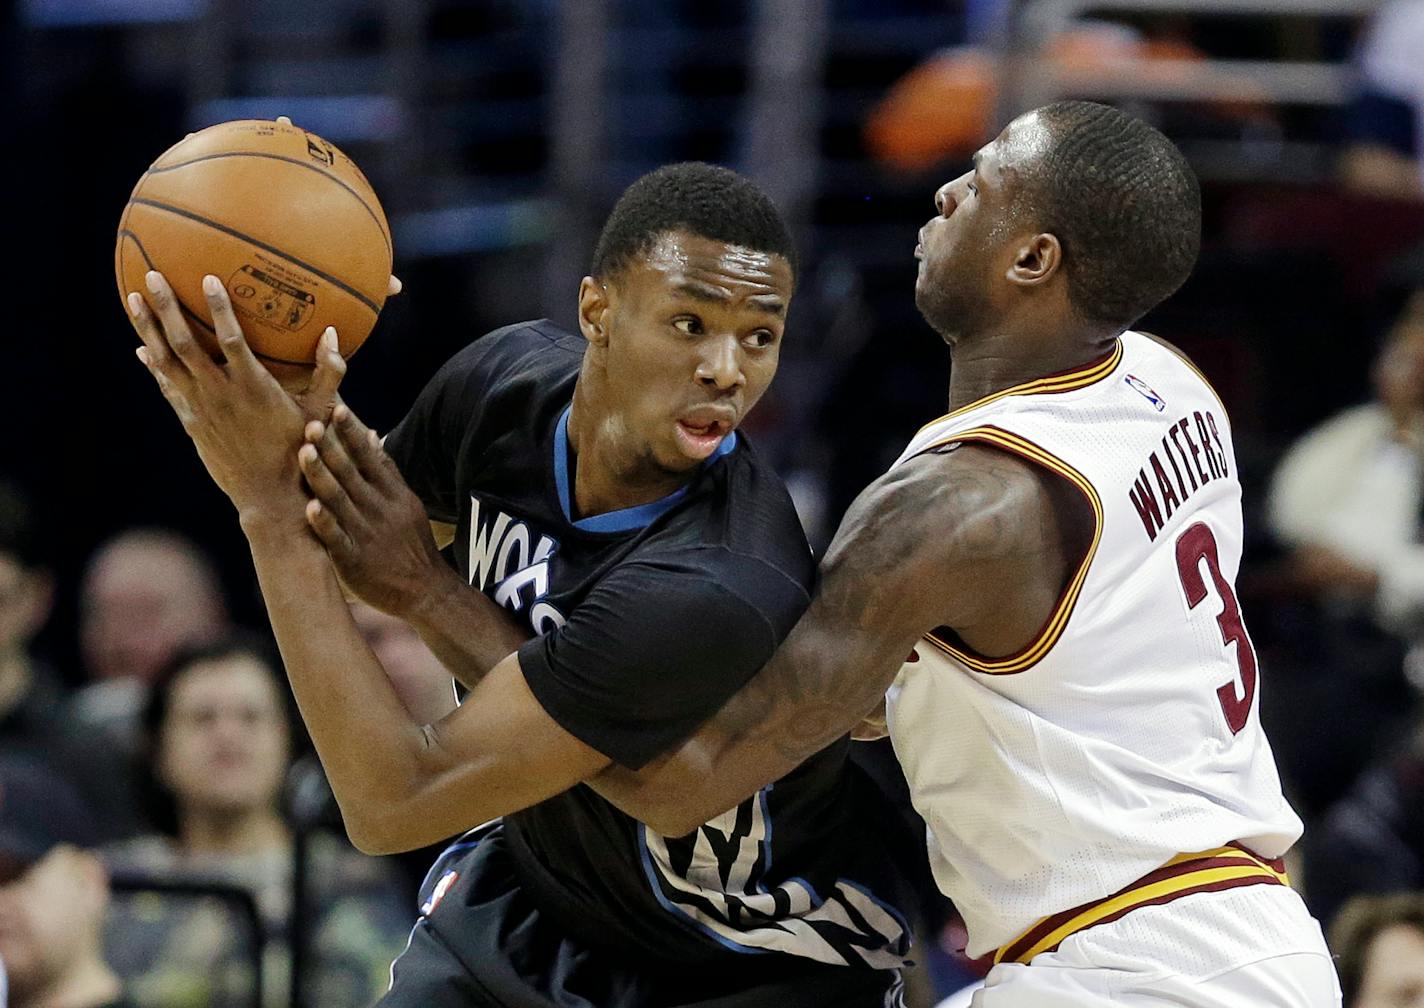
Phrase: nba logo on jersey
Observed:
(441, 888)
(1143, 389)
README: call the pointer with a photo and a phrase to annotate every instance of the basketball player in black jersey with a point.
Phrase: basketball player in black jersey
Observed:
(625, 561)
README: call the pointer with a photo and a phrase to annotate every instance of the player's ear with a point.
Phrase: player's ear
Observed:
(1036, 260)
(593, 311)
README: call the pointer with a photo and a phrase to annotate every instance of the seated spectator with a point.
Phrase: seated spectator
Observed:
(220, 734)
(145, 594)
(29, 691)
(1379, 948)
(52, 896)
(1372, 840)
(1347, 495)
(423, 684)
(1345, 502)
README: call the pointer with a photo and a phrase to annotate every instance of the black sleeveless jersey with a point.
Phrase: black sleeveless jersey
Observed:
(646, 620)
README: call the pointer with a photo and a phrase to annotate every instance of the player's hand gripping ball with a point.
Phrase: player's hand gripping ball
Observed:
(285, 220)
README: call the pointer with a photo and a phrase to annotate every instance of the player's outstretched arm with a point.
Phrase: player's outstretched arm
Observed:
(943, 540)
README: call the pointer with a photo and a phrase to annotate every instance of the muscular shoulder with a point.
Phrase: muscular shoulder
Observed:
(963, 530)
(962, 503)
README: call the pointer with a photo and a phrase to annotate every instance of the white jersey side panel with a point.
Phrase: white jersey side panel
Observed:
(1129, 732)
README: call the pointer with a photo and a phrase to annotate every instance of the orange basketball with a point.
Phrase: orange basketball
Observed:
(283, 218)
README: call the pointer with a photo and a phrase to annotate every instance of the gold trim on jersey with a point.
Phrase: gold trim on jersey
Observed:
(1067, 381)
(1207, 871)
(1053, 627)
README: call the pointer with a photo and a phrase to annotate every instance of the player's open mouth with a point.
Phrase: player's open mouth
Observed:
(699, 436)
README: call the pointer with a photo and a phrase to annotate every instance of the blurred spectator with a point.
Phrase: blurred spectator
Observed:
(1372, 840)
(1385, 156)
(1347, 495)
(29, 691)
(145, 594)
(423, 683)
(52, 896)
(1345, 502)
(1379, 945)
(220, 732)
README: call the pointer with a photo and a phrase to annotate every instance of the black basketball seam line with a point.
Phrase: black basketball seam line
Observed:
(194, 316)
(296, 161)
(233, 232)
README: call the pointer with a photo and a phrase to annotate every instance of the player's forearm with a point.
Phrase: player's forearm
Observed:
(351, 710)
(468, 632)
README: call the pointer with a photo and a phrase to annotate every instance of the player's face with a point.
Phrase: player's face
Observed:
(968, 244)
(223, 745)
(693, 335)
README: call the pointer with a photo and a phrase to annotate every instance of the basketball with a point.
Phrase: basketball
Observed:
(285, 220)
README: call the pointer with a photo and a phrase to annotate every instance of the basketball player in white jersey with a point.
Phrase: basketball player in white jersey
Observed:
(1078, 716)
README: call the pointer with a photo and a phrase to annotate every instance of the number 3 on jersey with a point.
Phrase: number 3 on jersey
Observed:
(1195, 545)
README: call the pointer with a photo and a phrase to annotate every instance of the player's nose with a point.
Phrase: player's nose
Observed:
(720, 363)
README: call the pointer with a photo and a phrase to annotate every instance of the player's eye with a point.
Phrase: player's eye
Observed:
(760, 339)
(689, 325)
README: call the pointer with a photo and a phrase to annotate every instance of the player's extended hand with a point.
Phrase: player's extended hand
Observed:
(243, 424)
(373, 525)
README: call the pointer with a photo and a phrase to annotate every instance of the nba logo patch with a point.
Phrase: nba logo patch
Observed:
(441, 888)
(1143, 389)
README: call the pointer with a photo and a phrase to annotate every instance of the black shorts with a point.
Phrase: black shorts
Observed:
(483, 944)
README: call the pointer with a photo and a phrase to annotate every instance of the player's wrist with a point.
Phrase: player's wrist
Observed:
(265, 521)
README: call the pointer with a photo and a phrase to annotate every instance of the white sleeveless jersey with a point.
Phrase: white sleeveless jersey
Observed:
(1127, 732)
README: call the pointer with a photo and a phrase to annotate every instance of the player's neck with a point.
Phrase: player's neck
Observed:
(610, 473)
(985, 364)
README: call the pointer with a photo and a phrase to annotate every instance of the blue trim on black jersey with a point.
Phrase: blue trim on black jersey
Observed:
(625, 519)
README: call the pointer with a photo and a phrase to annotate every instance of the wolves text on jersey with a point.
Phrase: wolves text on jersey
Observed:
(510, 567)
(1196, 442)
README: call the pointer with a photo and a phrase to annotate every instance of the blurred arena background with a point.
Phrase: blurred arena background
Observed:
(498, 133)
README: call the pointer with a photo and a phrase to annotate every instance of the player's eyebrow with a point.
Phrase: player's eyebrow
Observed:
(772, 304)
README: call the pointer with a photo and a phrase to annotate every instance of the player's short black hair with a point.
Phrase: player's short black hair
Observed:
(1124, 204)
(693, 196)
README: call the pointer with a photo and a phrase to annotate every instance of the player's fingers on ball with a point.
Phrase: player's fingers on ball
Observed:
(147, 328)
(175, 327)
(230, 338)
(330, 369)
(395, 286)
(285, 120)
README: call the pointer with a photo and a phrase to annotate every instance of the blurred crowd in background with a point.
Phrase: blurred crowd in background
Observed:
(162, 821)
